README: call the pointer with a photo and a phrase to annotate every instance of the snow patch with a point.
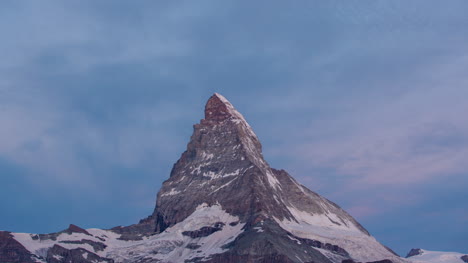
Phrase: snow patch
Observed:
(171, 245)
(259, 229)
(437, 257)
(222, 186)
(39, 246)
(57, 257)
(172, 192)
(213, 175)
(326, 221)
(207, 156)
(294, 239)
(272, 179)
(197, 169)
(320, 227)
(181, 179)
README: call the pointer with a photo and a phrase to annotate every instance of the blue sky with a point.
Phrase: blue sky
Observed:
(361, 101)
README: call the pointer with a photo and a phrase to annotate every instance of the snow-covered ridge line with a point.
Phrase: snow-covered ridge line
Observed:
(323, 227)
(171, 245)
(41, 246)
(251, 142)
(236, 114)
(437, 257)
(168, 246)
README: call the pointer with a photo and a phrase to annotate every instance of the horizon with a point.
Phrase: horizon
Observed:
(361, 103)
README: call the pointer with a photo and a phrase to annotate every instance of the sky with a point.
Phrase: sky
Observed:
(364, 102)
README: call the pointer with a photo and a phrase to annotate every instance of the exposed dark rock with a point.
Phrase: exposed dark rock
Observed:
(193, 246)
(465, 258)
(11, 251)
(216, 110)
(53, 236)
(247, 258)
(97, 246)
(272, 244)
(391, 251)
(204, 231)
(317, 244)
(58, 254)
(414, 252)
(145, 227)
(75, 229)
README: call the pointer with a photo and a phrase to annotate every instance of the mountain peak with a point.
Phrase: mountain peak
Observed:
(218, 109)
(221, 203)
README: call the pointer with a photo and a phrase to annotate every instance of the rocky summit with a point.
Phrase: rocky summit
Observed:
(221, 203)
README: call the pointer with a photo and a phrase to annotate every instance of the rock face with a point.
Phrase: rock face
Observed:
(223, 165)
(12, 250)
(223, 203)
(76, 229)
(58, 254)
(414, 252)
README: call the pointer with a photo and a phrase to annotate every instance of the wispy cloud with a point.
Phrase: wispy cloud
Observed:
(385, 151)
(362, 100)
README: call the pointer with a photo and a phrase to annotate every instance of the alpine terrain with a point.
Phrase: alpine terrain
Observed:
(417, 255)
(221, 203)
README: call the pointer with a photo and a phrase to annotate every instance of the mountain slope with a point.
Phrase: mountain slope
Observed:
(224, 165)
(221, 203)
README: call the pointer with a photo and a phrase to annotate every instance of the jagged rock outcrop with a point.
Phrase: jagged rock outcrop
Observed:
(223, 164)
(223, 203)
(58, 254)
(13, 251)
(464, 258)
(414, 252)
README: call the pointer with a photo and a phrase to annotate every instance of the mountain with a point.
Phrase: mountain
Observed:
(417, 255)
(221, 203)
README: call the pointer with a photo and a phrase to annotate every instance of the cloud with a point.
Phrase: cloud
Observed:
(71, 93)
(357, 100)
(95, 64)
(385, 151)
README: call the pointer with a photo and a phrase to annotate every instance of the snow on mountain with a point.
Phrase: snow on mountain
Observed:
(221, 203)
(177, 242)
(426, 256)
(172, 245)
(360, 246)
